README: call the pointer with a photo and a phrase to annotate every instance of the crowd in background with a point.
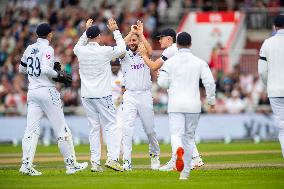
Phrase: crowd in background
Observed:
(236, 92)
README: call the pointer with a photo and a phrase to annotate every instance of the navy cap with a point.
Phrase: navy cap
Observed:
(184, 39)
(168, 32)
(279, 21)
(43, 30)
(93, 32)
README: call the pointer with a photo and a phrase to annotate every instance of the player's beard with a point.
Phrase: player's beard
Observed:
(133, 48)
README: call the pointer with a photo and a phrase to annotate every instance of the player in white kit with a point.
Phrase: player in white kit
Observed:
(167, 41)
(117, 90)
(95, 74)
(43, 98)
(181, 75)
(271, 69)
(137, 99)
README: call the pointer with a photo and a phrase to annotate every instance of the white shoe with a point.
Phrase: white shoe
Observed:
(127, 166)
(112, 164)
(71, 169)
(29, 171)
(183, 176)
(169, 166)
(96, 167)
(196, 162)
(155, 162)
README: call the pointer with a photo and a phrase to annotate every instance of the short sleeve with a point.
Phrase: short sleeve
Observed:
(263, 51)
(167, 53)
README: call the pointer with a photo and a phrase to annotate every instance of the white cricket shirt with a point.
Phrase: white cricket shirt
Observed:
(94, 65)
(136, 73)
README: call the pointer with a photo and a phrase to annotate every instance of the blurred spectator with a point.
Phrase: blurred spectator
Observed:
(235, 104)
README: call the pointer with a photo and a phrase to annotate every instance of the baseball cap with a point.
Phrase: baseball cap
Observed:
(168, 32)
(93, 32)
(43, 30)
(279, 21)
(184, 39)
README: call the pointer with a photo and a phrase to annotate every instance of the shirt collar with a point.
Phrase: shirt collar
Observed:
(184, 50)
(44, 41)
(281, 31)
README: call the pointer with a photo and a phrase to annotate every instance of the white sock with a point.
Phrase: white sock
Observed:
(66, 150)
(29, 144)
(195, 152)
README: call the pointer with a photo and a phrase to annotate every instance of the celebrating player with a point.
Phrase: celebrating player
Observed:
(270, 69)
(43, 98)
(167, 42)
(181, 75)
(95, 73)
(137, 99)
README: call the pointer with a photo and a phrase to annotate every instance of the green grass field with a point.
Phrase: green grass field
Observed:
(237, 165)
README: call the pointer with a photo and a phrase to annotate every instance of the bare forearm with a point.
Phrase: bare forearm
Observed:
(151, 64)
(146, 44)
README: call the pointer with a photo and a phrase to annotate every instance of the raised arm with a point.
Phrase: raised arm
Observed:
(142, 37)
(83, 39)
(153, 65)
(120, 47)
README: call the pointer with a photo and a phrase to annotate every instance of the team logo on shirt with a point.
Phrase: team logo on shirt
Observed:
(48, 56)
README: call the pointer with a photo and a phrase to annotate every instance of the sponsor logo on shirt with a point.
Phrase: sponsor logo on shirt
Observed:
(137, 67)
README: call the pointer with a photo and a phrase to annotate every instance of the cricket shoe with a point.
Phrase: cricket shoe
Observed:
(76, 167)
(112, 164)
(155, 162)
(179, 160)
(183, 176)
(169, 166)
(196, 162)
(25, 170)
(127, 166)
(96, 167)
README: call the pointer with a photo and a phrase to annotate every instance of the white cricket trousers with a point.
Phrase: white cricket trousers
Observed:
(101, 114)
(182, 129)
(40, 101)
(277, 105)
(138, 103)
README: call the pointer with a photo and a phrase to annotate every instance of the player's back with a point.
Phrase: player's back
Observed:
(275, 61)
(94, 69)
(185, 72)
(36, 57)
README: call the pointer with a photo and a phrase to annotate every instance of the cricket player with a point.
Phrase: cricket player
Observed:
(137, 99)
(43, 98)
(168, 42)
(271, 69)
(181, 75)
(95, 74)
(118, 88)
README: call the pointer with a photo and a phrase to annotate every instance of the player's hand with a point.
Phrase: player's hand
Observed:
(63, 77)
(89, 23)
(211, 109)
(57, 66)
(134, 29)
(142, 49)
(140, 27)
(112, 25)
